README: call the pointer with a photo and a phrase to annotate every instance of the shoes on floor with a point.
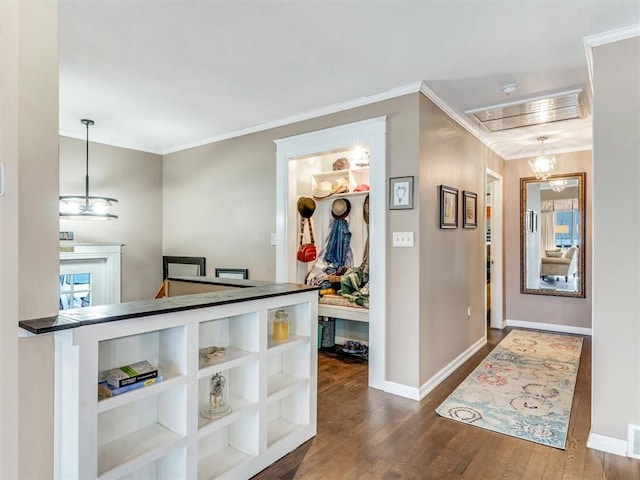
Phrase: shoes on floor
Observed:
(356, 349)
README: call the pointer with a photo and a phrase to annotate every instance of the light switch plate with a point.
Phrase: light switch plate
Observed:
(403, 239)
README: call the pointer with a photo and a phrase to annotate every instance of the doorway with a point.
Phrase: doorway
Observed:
(292, 182)
(89, 275)
(494, 248)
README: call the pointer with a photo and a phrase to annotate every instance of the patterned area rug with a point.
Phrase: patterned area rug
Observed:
(524, 388)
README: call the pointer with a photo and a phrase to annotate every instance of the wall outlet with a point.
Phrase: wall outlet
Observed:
(273, 239)
(403, 239)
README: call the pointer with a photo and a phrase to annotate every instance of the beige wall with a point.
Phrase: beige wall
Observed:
(9, 134)
(231, 187)
(565, 311)
(219, 200)
(134, 178)
(452, 262)
(616, 256)
(28, 214)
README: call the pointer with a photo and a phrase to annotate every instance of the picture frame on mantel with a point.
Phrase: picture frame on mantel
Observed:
(401, 193)
(470, 209)
(448, 207)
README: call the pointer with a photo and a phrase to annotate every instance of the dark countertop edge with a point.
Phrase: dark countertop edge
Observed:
(200, 300)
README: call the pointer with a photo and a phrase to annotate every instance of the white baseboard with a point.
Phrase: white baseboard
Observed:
(419, 393)
(549, 327)
(633, 442)
(401, 390)
(439, 377)
(607, 444)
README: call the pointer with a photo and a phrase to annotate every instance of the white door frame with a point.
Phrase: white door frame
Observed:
(373, 133)
(109, 253)
(497, 252)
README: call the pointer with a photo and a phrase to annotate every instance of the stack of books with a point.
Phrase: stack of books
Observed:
(128, 377)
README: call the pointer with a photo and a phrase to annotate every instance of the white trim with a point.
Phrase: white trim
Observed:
(604, 38)
(421, 87)
(442, 375)
(319, 112)
(110, 253)
(497, 250)
(549, 327)
(607, 444)
(633, 436)
(373, 133)
(475, 130)
(613, 35)
(111, 143)
(401, 390)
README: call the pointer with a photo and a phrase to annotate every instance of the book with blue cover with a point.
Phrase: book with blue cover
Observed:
(105, 390)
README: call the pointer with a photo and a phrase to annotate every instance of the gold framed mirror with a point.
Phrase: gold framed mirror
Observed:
(552, 235)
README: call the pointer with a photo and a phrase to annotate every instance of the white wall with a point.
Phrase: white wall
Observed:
(616, 252)
(133, 178)
(28, 278)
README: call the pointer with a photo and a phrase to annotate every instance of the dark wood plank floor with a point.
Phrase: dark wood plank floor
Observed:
(368, 434)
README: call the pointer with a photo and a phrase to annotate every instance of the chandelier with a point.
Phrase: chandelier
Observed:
(558, 185)
(77, 207)
(543, 165)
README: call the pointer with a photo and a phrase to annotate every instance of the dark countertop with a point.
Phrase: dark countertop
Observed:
(247, 290)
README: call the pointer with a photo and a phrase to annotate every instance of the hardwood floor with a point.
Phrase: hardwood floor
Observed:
(368, 434)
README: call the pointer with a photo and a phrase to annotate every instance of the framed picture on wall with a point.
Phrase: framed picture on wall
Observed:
(401, 193)
(448, 207)
(237, 273)
(183, 266)
(470, 206)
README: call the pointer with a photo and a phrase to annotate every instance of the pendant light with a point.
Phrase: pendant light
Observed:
(73, 207)
(543, 165)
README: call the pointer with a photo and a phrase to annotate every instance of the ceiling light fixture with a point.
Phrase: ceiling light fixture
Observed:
(534, 111)
(510, 88)
(558, 185)
(75, 207)
(543, 165)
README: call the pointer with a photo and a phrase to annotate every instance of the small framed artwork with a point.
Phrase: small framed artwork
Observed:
(448, 207)
(183, 266)
(401, 193)
(237, 273)
(470, 205)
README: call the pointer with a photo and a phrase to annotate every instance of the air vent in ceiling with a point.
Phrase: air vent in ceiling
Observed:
(535, 111)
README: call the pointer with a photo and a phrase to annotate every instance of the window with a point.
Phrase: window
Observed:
(566, 228)
(75, 290)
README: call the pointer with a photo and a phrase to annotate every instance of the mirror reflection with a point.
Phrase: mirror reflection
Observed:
(552, 253)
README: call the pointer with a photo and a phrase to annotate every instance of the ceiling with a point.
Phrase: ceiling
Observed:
(164, 76)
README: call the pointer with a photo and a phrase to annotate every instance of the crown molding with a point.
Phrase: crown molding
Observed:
(319, 112)
(102, 141)
(603, 39)
(474, 130)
